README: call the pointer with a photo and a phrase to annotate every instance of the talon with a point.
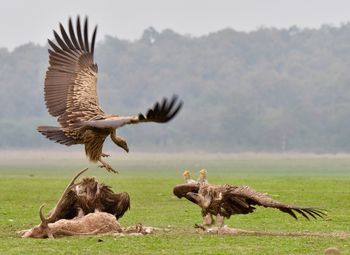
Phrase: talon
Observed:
(200, 226)
(107, 166)
(112, 170)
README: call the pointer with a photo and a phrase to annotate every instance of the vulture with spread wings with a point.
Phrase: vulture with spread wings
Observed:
(226, 200)
(71, 96)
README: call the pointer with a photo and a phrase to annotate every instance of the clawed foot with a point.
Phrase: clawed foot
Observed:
(107, 166)
(105, 155)
(215, 229)
(200, 226)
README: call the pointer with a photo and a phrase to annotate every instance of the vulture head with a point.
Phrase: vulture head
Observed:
(122, 143)
(187, 176)
(203, 173)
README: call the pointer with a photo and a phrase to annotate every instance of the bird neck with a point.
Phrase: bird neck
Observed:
(117, 139)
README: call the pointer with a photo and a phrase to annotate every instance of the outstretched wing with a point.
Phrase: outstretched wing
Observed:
(253, 197)
(160, 113)
(70, 83)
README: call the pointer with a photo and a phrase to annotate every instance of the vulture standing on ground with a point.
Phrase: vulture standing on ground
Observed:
(226, 200)
(71, 96)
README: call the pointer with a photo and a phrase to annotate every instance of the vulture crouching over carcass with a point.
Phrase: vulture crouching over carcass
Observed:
(84, 208)
(88, 196)
(226, 200)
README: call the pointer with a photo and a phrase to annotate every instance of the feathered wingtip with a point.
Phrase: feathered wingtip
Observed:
(306, 212)
(181, 190)
(74, 41)
(162, 112)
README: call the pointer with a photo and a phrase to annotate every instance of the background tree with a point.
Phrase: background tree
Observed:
(267, 90)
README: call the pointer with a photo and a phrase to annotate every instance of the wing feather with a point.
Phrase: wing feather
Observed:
(93, 41)
(72, 35)
(70, 83)
(262, 199)
(61, 43)
(162, 112)
(66, 38)
(56, 48)
(80, 38)
(86, 37)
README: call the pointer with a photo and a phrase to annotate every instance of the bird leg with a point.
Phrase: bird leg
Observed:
(107, 166)
(105, 155)
(220, 220)
(208, 219)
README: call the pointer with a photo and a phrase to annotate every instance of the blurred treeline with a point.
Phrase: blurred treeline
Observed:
(268, 90)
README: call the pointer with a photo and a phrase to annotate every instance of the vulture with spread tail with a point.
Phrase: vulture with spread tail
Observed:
(71, 96)
(226, 200)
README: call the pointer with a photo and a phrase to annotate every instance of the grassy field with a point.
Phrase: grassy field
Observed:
(28, 180)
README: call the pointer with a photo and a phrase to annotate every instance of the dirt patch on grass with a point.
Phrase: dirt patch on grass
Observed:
(240, 232)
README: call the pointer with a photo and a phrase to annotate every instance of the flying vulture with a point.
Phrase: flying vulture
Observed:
(71, 96)
(226, 200)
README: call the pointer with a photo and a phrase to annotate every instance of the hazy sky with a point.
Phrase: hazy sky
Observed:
(22, 21)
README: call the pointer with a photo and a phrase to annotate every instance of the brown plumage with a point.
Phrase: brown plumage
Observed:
(71, 96)
(84, 208)
(89, 196)
(92, 196)
(226, 200)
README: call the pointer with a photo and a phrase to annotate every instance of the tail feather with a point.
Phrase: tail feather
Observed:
(56, 134)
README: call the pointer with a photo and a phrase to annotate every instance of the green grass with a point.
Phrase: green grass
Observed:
(322, 181)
